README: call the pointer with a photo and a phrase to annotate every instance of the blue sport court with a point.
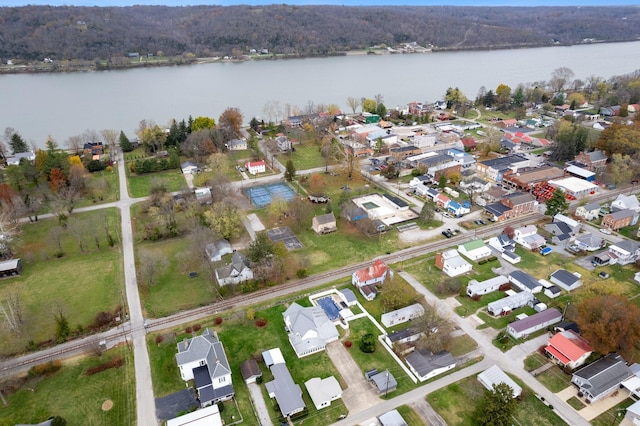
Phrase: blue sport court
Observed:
(329, 307)
(261, 196)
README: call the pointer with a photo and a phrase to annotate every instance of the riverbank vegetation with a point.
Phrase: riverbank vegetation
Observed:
(43, 38)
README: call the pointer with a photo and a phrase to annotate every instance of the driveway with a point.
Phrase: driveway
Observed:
(258, 405)
(427, 413)
(169, 406)
(359, 394)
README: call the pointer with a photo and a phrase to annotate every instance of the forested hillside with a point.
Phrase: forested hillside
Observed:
(36, 32)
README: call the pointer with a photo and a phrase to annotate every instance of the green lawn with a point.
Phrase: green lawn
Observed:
(410, 417)
(79, 284)
(534, 361)
(305, 157)
(575, 403)
(140, 185)
(107, 188)
(243, 340)
(175, 290)
(76, 397)
(554, 379)
(457, 402)
(461, 345)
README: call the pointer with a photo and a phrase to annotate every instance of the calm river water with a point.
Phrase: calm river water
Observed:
(63, 105)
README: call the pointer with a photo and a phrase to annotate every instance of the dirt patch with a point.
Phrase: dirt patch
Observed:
(107, 405)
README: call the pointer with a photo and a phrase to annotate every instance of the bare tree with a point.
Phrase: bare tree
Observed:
(11, 310)
(90, 135)
(110, 138)
(151, 266)
(435, 328)
(560, 77)
(9, 231)
(74, 143)
(79, 231)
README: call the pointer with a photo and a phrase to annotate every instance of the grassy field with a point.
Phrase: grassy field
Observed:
(411, 417)
(554, 379)
(175, 290)
(461, 345)
(457, 402)
(305, 157)
(111, 184)
(79, 284)
(243, 340)
(139, 185)
(534, 361)
(76, 397)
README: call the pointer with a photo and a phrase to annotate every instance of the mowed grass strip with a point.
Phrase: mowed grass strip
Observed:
(76, 397)
(78, 284)
(140, 185)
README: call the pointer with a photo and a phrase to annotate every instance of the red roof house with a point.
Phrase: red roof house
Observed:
(568, 349)
(371, 275)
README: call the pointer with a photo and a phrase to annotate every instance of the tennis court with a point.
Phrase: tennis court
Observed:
(329, 307)
(261, 196)
(285, 235)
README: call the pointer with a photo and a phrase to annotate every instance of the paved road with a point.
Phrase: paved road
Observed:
(146, 405)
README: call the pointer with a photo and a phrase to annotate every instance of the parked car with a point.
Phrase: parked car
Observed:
(447, 234)
(605, 231)
(603, 275)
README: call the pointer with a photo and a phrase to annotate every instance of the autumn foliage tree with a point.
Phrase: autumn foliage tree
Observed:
(610, 323)
(57, 180)
(317, 185)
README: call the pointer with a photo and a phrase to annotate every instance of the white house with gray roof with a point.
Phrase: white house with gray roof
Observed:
(426, 365)
(509, 303)
(287, 393)
(323, 391)
(237, 271)
(626, 202)
(589, 242)
(527, 237)
(624, 252)
(525, 282)
(566, 279)
(526, 326)
(494, 375)
(479, 288)
(203, 359)
(310, 329)
(602, 377)
(589, 211)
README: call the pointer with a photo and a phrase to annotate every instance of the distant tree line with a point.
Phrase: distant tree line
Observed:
(112, 33)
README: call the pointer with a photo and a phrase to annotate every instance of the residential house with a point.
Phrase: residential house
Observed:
(511, 257)
(419, 181)
(237, 145)
(596, 161)
(560, 230)
(509, 122)
(632, 414)
(239, 270)
(310, 329)
(624, 252)
(568, 349)
(217, 249)
(602, 377)
(458, 209)
(384, 381)
(347, 296)
(323, 391)
(626, 202)
(502, 243)
(552, 291)
(507, 304)
(402, 315)
(512, 205)
(406, 335)
(209, 416)
(474, 250)
(255, 167)
(619, 219)
(525, 282)
(527, 237)
(189, 168)
(287, 393)
(392, 418)
(451, 263)
(283, 143)
(14, 160)
(494, 168)
(573, 224)
(588, 211)
(92, 148)
(203, 359)
(324, 224)
(589, 242)
(494, 376)
(526, 326)
(632, 384)
(272, 357)
(426, 365)
(371, 276)
(479, 288)
(442, 200)
(250, 371)
(401, 152)
(566, 279)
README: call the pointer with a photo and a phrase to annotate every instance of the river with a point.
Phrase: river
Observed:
(62, 105)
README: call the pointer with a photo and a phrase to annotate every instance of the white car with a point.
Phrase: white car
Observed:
(605, 231)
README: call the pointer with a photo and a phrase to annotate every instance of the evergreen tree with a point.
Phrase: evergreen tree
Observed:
(290, 172)
(557, 203)
(497, 406)
(125, 143)
(18, 144)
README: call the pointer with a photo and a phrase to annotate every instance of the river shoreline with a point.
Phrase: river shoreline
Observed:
(81, 66)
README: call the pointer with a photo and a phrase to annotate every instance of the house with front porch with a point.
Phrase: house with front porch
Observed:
(626, 202)
(588, 211)
(527, 237)
(474, 250)
(602, 377)
(568, 349)
(309, 329)
(589, 242)
(451, 263)
(624, 252)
